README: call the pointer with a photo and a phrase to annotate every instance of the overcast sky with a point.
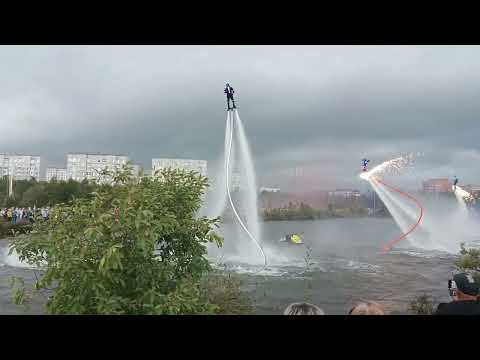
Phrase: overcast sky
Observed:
(322, 107)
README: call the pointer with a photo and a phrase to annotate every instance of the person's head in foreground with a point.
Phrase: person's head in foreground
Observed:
(303, 309)
(367, 308)
(464, 290)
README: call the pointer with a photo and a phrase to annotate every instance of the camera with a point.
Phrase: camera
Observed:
(452, 287)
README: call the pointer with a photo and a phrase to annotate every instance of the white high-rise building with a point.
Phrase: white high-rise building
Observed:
(199, 166)
(89, 166)
(21, 167)
(269, 189)
(136, 170)
(56, 173)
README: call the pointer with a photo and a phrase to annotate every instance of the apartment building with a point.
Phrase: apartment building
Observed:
(90, 166)
(58, 174)
(21, 167)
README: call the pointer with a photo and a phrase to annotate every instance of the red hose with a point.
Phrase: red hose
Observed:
(389, 246)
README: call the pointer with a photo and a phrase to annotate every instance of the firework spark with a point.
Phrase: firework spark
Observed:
(394, 166)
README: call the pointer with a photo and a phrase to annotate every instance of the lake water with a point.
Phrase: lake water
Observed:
(347, 266)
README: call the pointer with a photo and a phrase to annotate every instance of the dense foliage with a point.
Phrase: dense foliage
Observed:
(224, 290)
(469, 261)
(422, 305)
(136, 247)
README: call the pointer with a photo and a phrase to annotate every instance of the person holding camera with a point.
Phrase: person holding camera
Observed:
(464, 290)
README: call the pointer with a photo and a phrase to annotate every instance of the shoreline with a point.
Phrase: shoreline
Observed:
(329, 218)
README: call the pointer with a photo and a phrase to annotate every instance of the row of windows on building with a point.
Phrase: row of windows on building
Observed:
(22, 167)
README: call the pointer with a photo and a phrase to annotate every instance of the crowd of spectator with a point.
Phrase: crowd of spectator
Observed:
(16, 215)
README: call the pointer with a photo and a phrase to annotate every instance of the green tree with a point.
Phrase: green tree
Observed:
(35, 195)
(469, 261)
(21, 186)
(136, 247)
(223, 290)
(422, 305)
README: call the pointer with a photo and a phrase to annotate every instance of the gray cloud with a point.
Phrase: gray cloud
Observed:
(323, 107)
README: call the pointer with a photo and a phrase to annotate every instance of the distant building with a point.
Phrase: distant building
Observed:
(472, 189)
(21, 167)
(268, 189)
(236, 181)
(437, 186)
(56, 173)
(199, 166)
(345, 193)
(341, 198)
(89, 166)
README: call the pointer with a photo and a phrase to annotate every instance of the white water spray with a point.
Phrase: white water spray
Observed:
(251, 184)
(404, 213)
(13, 259)
(245, 158)
(217, 200)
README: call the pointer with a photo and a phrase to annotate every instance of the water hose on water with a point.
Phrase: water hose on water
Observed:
(389, 246)
(229, 118)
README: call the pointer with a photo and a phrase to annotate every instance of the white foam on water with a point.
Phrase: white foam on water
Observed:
(245, 269)
(356, 265)
(295, 267)
(13, 260)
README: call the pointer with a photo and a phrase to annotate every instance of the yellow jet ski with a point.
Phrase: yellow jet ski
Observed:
(294, 239)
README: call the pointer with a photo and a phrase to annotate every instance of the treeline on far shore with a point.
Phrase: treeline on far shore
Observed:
(30, 193)
(304, 211)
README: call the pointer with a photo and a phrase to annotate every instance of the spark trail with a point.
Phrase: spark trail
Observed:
(374, 177)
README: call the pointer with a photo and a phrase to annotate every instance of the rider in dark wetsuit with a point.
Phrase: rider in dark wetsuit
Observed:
(229, 91)
(455, 182)
(365, 163)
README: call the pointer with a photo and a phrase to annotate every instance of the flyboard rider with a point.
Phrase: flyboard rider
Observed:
(365, 164)
(229, 91)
